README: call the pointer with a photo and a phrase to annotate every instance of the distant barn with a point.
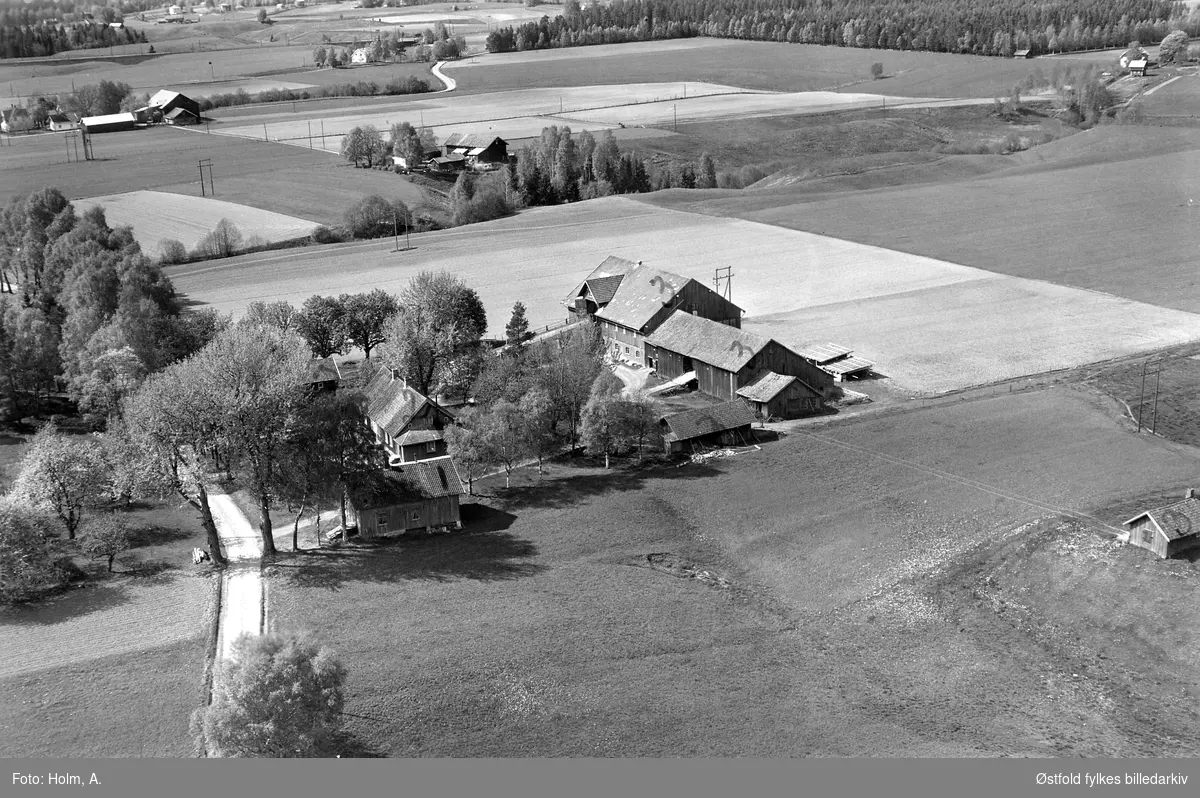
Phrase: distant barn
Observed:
(109, 123)
(724, 424)
(1169, 530)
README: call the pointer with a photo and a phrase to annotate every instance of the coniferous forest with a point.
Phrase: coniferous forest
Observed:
(998, 28)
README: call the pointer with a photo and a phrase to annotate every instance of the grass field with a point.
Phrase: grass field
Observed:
(766, 66)
(720, 615)
(1174, 380)
(930, 325)
(1057, 212)
(265, 175)
(156, 215)
(113, 668)
(1177, 101)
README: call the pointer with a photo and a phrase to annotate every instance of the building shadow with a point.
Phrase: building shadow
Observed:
(565, 491)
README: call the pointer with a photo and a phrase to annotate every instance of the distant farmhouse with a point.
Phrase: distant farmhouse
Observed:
(629, 301)
(59, 122)
(1168, 531)
(477, 151)
(360, 56)
(408, 425)
(421, 495)
(165, 101)
(1132, 54)
(1138, 68)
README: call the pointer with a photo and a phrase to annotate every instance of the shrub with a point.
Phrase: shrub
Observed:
(172, 252)
(29, 556)
(374, 217)
(325, 235)
(876, 71)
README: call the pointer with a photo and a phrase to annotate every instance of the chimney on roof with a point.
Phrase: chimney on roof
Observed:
(396, 376)
(1190, 493)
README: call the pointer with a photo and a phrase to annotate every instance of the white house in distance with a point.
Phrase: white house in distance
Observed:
(360, 56)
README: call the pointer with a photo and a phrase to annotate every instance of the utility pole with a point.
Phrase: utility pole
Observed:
(322, 134)
(310, 134)
(727, 276)
(675, 114)
(212, 71)
(265, 132)
(1157, 382)
(395, 230)
(1142, 396)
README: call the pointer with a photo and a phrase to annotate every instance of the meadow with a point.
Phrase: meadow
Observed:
(157, 216)
(272, 177)
(751, 607)
(931, 325)
(1057, 212)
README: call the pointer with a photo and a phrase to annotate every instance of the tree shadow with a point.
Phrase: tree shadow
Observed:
(565, 491)
(487, 556)
(153, 535)
(66, 603)
(348, 745)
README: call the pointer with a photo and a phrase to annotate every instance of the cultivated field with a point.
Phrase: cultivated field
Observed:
(1177, 100)
(1058, 212)
(931, 325)
(765, 66)
(248, 85)
(720, 615)
(515, 114)
(271, 177)
(155, 216)
(113, 668)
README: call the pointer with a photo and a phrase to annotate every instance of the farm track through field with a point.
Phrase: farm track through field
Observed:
(120, 616)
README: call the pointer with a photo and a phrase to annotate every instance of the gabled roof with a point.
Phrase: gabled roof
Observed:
(435, 477)
(612, 266)
(58, 118)
(708, 420)
(471, 141)
(711, 342)
(453, 157)
(642, 293)
(765, 386)
(604, 288)
(1139, 64)
(1178, 520)
(164, 97)
(392, 404)
(416, 436)
(323, 369)
(175, 113)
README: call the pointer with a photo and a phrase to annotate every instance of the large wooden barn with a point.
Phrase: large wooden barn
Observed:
(779, 396)
(1168, 531)
(164, 101)
(635, 299)
(421, 495)
(476, 149)
(726, 358)
(407, 424)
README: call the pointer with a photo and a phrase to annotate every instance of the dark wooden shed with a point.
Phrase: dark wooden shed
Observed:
(422, 495)
(724, 424)
(778, 396)
(1168, 531)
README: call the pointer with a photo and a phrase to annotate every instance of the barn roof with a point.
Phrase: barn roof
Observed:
(849, 365)
(454, 157)
(58, 118)
(435, 477)
(175, 113)
(1138, 64)
(323, 369)
(164, 97)
(642, 293)
(823, 353)
(1178, 520)
(471, 141)
(391, 403)
(108, 119)
(604, 288)
(708, 420)
(416, 436)
(765, 386)
(720, 345)
(612, 266)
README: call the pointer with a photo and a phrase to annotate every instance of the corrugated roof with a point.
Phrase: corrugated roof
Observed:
(391, 403)
(708, 341)
(823, 353)
(644, 292)
(765, 386)
(604, 288)
(1178, 520)
(1139, 64)
(850, 365)
(708, 420)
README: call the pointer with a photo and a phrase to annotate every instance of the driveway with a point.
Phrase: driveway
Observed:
(241, 584)
(633, 378)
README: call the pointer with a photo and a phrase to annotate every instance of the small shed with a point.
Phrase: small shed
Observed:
(1138, 68)
(448, 163)
(323, 375)
(780, 396)
(421, 495)
(1023, 54)
(724, 424)
(180, 116)
(1169, 530)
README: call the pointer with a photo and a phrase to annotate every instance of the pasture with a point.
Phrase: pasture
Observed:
(115, 667)
(720, 615)
(931, 325)
(761, 66)
(156, 216)
(1176, 101)
(272, 177)
(1058, 212)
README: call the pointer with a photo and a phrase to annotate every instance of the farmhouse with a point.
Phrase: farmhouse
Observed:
(402, 162)
(164, 101)
(407, 424)
(110, 123)
(476, 149)
(360, 56)
(725, 424)
(421, 495)
(635, 299)
(1169, 530)
(59, 122)
(1131, 55)
(726, 358)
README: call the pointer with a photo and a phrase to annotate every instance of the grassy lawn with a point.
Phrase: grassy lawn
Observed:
(274, 177)
(115, 666)
(821, 596)
(1176, 380)
(11, 449)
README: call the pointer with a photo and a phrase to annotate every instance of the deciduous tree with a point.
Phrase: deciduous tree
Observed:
(28, 550)
(105, 536)
(321, 322)
(365, 317)
(63, 474)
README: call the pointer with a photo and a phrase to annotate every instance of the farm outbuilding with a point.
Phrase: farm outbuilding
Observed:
(60, 122)
(724, 424)
(839, 361)
(447, 163)
(416, 496)
(476, 149)
(780, 396)
(1168, 531)
(1023, 54)
(180, 116)
(109, 123)
(1138, 68)
(726, 358)
(408, 425)
(323, 375)
(165, 101)
(631, 301)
